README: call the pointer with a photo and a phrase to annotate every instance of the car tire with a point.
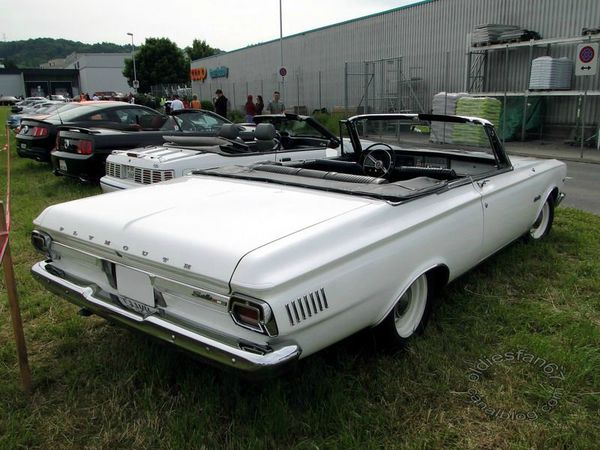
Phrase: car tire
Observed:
(543, 224)
(409, 315)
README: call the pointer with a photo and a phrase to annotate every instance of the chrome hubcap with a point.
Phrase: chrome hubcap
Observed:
(541, 223)
(410, 308)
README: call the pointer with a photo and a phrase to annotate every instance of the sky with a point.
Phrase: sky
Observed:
(224, 24)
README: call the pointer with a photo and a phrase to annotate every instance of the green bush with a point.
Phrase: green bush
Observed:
(208, 105)
(235, 116)
(147, 100)
(331, 121)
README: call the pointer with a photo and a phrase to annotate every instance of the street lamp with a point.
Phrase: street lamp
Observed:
(135, 80)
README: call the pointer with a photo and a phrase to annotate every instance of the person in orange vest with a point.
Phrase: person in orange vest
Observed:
(196, 103)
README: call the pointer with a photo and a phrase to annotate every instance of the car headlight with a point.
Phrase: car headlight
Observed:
(253, 314)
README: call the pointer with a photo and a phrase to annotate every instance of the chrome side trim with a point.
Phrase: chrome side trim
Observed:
(221, 349)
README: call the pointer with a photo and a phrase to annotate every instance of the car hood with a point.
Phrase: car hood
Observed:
(200, 224)
(153, 156)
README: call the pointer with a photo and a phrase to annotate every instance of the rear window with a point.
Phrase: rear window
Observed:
(76, 113)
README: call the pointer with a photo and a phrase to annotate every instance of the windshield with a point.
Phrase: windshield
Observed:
(413, 133)
(199, 121)
(293, 126)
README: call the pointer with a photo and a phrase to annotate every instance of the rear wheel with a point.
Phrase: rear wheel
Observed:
(543, 224)
(409, 315)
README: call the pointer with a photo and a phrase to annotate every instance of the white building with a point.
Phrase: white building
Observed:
(99, 71)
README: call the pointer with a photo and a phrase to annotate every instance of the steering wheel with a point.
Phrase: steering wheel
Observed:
(377, 162)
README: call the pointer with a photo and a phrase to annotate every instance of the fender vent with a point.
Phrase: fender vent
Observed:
(305, 307)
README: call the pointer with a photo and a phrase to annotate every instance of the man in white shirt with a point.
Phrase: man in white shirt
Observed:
(176, 103)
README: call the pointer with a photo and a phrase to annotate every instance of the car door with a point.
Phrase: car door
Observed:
(508, 204)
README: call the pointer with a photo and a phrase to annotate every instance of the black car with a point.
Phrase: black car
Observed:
(37, 138)
(81, 152)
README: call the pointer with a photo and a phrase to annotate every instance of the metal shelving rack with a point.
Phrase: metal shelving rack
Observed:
(477, 73)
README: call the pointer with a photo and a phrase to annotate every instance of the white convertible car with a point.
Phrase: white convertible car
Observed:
(255, 267)
(276, 138)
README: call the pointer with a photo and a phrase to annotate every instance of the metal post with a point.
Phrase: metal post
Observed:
(468, 67)
(346, 87)
(505, 91)
(298, 92)
(133, 58)
(233, 105)
(382, 93)
(582, 119)
(15, 312)
(398, 85)
(320, 103)
(281, 49)
(366, 87)
(446, 94)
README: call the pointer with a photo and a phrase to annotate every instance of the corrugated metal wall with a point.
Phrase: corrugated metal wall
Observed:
(431, 37)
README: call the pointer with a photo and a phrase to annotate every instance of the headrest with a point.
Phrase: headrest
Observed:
(265, 131)
(229, 131)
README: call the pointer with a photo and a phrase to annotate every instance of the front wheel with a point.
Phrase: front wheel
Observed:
(542, 225)
(409, 315)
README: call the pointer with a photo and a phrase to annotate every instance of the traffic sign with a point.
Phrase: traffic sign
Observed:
(587, 59)
(283, 71)
(136, 84)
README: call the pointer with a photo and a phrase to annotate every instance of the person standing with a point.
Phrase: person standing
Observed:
(260, 105)
(176, 104)
(250, 109)
(196, 103)
(275, 106)
(220, 103)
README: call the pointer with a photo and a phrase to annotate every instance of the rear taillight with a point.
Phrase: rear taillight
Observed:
(39, 132)
(84, 147)
(41, 241)
(253, 314)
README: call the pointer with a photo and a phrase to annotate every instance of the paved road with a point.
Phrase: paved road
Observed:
(583, 187)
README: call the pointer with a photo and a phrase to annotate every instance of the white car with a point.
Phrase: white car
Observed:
(255, 267)
(277, 138)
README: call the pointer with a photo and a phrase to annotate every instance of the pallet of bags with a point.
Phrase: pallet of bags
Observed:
(444, 103)
(483, 107)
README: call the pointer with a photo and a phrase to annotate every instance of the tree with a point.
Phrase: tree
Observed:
(10, 64)
(200, 49)
(157, 61)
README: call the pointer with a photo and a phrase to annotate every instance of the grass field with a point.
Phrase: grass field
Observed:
(511, 359)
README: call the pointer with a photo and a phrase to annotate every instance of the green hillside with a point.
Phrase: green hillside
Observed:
(33, 52)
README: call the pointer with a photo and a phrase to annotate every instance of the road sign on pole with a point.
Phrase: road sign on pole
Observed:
(136, 84)
(587, 59)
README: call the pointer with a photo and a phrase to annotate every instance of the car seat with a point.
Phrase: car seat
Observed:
(265, 136)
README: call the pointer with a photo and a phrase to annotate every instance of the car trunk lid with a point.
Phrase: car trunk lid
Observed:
(201, 224)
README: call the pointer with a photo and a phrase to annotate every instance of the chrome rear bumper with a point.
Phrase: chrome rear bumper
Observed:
(224, 350)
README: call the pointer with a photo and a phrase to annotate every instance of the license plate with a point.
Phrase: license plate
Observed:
(62, 164)
(135, 291)
(23, 145)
